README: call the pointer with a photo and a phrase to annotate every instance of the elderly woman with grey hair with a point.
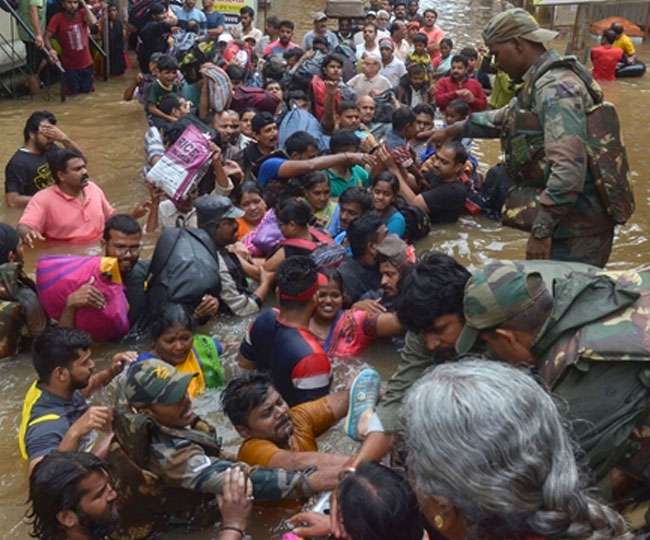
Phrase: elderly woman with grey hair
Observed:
(489, 458)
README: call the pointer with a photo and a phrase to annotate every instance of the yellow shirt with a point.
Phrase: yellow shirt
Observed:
(191, 365)
(624, 42)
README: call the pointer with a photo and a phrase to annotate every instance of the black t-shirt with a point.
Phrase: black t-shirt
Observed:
(358, 279)
(26, 173)
(153, 38)
(446, 201)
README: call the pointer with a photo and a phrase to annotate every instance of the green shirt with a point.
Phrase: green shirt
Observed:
(157, 92)
(23, 10)
(358, 178)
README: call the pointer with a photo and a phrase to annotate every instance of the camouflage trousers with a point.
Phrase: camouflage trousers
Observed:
(594, 250)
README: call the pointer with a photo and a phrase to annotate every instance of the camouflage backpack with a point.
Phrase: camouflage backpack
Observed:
(605, 150)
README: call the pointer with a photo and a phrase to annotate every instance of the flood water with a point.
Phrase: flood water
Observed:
(110, 132)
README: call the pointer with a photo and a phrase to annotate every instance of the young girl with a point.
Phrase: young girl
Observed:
(249, 199)
(294, 216)
(175, 343)
(385, 188)
(347, 333)
(317, 194)
(247, 123)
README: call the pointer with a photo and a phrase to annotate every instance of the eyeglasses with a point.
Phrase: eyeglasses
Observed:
(123, 250)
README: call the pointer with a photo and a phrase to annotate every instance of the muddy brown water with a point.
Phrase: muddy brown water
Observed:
(110, 132)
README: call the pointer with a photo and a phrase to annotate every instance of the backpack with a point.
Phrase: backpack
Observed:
(324, 252)
(606, 155)
(417, 220)
(183, 268)
(138, 14)
(300, 120)
(248, 97)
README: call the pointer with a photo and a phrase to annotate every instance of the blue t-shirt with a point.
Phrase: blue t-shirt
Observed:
(269, 170)
(299, 367)
(214, 19)
(396, 224)
(194, 14)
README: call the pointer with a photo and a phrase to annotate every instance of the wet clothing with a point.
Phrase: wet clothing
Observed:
(445, 201)
(295, 360)
(625, 43)
(605, 59)
(59, 216)
(187, 466)
(26, 173)
(358, 279)
(350, 333)
(24, 8)
(72, 33)
(310, 420)
(553, 160)
(416, 360)
(46, 419)
(235, 295)
(204, 360)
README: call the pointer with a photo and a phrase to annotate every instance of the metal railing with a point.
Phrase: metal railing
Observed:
(8, 48)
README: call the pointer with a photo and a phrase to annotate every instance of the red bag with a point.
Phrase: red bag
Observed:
(248, 97)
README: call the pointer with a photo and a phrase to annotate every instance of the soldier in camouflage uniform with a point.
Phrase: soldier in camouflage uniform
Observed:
(586, 336)
(169, 462)
(544, 135)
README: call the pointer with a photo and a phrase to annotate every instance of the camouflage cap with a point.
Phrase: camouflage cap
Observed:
(514, 23)
(493, 296)
(154, 381)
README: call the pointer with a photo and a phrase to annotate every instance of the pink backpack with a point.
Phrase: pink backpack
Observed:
(58, 276)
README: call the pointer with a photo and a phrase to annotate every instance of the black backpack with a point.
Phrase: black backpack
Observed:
(417, 220)
(183, 268)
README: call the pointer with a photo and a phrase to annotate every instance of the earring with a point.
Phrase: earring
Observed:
(438, 522)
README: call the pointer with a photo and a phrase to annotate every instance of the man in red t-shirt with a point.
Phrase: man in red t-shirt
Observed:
(605, 58)
(70, 28)
(458, 85)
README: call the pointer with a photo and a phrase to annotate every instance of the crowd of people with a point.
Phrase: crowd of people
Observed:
(325, 162)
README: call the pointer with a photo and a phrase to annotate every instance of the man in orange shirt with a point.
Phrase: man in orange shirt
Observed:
(276, 436)
(433, 32)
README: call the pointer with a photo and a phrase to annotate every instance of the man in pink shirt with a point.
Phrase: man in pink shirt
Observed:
(283, 43)
(433, 32)
(74, 209)
(459, 86)
(606, 57)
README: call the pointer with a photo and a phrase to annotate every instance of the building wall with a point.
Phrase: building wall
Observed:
(12, 52)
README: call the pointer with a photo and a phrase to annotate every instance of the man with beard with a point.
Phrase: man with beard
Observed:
(228, 125)
(27, 171)
(56, 415)
(430, 307)
(276, 435)
(458, 85)
(74, 209)
(72, 497)
(445, 201)
(283, 43)
(395, 258)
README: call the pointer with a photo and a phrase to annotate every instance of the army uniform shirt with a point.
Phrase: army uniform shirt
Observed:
(183, 463)
(569, 204)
